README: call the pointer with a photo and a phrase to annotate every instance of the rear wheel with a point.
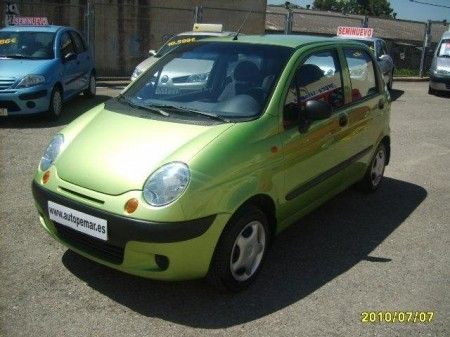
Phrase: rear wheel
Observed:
(375, 171)
(92, 88)
(241, 250)
(56, 101)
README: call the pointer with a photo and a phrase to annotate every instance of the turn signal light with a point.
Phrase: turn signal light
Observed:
(131, 205)
(46, 177)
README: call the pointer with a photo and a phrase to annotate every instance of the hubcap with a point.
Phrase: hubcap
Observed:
(378, 167)
(57, 103)
(248, 251)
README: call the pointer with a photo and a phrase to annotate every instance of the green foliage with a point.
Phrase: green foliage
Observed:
(379, 8)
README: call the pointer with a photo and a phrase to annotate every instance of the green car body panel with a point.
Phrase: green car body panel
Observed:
(107, 157)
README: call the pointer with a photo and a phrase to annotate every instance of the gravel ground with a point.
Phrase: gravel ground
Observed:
(384, 252)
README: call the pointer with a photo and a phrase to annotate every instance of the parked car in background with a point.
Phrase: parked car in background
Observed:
(41, 67)
(197, 183)
(440, 67)
(199, 32)
(379, 48)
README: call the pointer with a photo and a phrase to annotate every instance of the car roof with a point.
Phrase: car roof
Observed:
(292, 41)
(49, 28)
(207, 33)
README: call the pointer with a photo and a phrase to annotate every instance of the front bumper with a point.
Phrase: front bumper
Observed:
(25, 101)
(136, 246)
(440, 82)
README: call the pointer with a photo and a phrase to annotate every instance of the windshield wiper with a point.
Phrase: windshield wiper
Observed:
(151, 108)
(193, 111)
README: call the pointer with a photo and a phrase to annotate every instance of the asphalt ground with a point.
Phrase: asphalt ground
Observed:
(387, 251)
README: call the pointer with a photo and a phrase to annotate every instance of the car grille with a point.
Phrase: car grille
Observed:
(6, 83)
(95, 247)
(10, 105)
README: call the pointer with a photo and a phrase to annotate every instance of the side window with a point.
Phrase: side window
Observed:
(79, 45)
(362, 73)
(67, 45)
(318, 78)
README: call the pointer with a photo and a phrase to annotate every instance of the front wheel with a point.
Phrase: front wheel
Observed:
(55, 107)
(375, 171)
(92, 88)
(241, 250)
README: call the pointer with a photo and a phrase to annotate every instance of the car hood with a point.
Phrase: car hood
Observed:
(115, 153)
(14, 68)
(443, 62)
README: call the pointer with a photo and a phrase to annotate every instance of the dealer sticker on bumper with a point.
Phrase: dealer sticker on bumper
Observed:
(78, 221)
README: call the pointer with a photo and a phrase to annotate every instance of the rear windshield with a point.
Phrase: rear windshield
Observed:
(444, 48)
(27, 45)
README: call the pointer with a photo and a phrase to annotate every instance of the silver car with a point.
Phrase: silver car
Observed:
(379, 48)
(440, 67)
(177, 40)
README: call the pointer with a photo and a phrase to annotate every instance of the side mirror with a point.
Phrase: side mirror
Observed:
(151, 52)
(318, 110)
(383, 57)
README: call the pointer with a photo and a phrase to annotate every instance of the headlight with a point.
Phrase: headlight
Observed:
(31, 80)
(52, 151)
(166, 184)
(136, 73)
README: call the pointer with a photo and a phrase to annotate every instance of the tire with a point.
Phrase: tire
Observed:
(431, 91)
(241, 250)
(56, 102)
(92, 88)
(374, 174)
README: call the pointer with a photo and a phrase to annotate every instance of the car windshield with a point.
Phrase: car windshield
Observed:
(26, 45)
(444, 48)
(227, 80)
(179, 40)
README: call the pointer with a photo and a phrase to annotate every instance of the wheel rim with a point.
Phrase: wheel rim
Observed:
(378, 164)
(248, 250)
(92, 85)
(57, 103)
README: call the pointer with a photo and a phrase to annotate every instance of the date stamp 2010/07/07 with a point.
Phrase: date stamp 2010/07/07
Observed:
(397, 316)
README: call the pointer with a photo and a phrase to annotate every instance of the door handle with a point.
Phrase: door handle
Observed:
(381, 104)
(343, 120)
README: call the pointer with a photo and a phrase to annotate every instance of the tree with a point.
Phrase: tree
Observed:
(379, 8)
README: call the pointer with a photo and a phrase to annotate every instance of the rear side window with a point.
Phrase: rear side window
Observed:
(79, 44)
(362, 73)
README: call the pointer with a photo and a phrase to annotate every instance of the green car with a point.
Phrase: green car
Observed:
(174, 182)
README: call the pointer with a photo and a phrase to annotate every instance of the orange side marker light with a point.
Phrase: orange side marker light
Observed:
(131, 205)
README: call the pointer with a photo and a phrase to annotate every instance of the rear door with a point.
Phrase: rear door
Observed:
(84, 60)
(363, 109)
(71, 65)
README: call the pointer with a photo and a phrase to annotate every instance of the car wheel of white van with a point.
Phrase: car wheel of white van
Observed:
(91, 90)
(56, 101)
(241, 250)
(375, 171)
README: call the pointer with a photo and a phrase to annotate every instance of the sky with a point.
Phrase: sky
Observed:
(405, 9)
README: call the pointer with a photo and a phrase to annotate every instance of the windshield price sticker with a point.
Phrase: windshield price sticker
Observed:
(354, 31)
(181, 41)
(8, 41)
(30, 21)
